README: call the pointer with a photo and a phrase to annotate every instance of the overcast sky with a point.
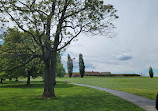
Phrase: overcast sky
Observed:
(133, 50)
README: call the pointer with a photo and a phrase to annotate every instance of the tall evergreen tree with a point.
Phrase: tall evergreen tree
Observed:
(69, 65)
(151, 73)
(81, 65)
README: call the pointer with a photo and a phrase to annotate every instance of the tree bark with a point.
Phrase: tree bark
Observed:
(50, 55)
(50, 75)
(28, 78)
(48, 80)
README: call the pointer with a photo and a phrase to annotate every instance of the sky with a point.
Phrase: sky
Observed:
(133, 50)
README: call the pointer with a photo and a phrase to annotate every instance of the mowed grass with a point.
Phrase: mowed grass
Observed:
(19, 97)
(143, 86)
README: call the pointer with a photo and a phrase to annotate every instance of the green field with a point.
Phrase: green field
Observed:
(16, 96)
(143, 86)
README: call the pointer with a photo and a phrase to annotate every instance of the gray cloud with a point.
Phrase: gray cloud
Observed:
(89, 66)
(125, 58)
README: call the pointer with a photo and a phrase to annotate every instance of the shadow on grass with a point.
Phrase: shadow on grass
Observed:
(34, 84)
(21, 85)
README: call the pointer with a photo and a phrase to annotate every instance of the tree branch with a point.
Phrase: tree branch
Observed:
(24, 29)
(74, 13)
(30, 8)
(20, 65)
(70, 40)
(59, 26)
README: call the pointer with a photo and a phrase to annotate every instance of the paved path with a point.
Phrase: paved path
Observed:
(145, 103)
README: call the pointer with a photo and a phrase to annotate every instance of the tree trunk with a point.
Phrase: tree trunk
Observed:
(16, 79)
(50, 59)
(50, 75)
(1, 81)
(28, 78)
(10, 79)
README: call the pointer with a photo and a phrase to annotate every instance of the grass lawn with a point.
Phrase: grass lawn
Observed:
(19, 97)
(143, 86)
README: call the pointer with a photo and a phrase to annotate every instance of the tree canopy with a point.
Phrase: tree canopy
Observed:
(16, 50)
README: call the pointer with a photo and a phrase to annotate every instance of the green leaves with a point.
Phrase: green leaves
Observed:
(17, 50)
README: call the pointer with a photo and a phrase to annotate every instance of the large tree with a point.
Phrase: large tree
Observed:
(15, 40)
(18, 48)
(60, 21)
